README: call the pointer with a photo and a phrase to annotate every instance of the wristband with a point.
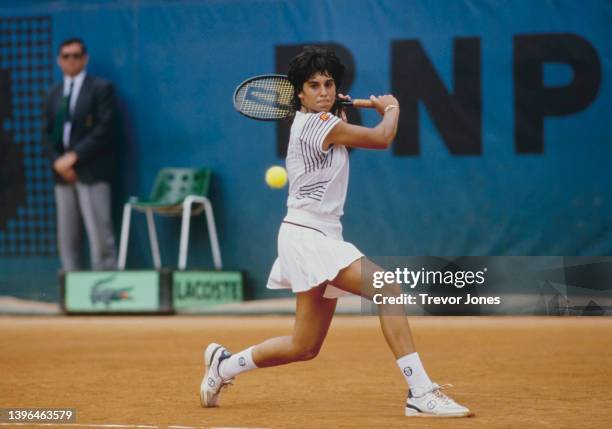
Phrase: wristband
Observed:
(390, 106)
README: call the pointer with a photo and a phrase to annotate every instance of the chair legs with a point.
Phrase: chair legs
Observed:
(185, 224)
(125, 234)
(153, 239)
(184, 243)
(125, 237)
(212, 231)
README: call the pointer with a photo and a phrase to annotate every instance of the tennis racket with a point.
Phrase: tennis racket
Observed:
(269, 97)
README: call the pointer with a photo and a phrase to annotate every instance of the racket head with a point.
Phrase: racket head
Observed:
(266, 97)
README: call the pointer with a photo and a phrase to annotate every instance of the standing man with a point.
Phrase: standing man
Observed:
(79, 135)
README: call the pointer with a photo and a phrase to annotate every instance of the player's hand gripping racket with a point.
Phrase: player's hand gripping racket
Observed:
(269, 98)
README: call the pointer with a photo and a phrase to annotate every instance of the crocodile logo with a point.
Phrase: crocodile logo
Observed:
(103, 292)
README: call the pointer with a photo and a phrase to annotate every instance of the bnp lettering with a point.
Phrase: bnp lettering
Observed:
(456, 111)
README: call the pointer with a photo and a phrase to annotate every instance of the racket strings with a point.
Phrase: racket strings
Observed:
(265, 98)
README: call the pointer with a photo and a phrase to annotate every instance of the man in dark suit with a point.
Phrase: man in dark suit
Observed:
(79, 135)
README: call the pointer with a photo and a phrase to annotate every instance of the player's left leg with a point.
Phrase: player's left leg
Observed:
(424, 397)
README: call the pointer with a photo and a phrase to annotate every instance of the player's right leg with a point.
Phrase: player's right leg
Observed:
(313, 316)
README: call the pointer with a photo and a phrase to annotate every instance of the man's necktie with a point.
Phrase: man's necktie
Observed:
(67, 98)
(62, 116)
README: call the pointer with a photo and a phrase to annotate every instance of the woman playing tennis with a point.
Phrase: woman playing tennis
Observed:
(313, 259)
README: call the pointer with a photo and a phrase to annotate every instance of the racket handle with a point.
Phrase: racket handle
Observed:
(358, 102)
(364, 103)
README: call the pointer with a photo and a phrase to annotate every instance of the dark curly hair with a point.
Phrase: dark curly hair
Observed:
(312, 60)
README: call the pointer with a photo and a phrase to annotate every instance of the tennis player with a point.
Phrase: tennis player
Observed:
(313, 259)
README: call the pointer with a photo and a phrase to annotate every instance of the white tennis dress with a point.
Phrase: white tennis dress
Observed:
(311, 249)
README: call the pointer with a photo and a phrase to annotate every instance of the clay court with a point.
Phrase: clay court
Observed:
(513, 372)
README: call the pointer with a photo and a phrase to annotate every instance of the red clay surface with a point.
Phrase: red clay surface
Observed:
(522, 372)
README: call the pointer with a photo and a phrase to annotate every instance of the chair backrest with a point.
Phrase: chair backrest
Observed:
(172, 185)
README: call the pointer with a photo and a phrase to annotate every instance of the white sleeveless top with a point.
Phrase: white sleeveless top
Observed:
(318, 179)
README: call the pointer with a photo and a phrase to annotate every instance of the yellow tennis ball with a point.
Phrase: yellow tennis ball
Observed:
(276, 177)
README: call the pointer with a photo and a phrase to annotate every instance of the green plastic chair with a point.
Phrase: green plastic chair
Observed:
(176, 192)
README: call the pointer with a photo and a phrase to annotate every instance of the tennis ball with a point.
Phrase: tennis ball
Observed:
(276, 177)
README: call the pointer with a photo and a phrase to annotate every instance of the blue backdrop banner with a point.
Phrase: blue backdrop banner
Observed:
(504, 145)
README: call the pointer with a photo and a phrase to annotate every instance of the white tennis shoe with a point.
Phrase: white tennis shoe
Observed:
(431, 402)
(212, 383)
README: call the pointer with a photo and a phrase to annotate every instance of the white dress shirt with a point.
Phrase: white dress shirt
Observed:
(76, 89)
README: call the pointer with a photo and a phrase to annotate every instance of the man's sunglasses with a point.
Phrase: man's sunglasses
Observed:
(75, 56)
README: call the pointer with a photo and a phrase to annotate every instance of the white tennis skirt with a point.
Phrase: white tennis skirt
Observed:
(311, 251)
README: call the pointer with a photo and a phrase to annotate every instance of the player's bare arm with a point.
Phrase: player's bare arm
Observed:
(379, 137)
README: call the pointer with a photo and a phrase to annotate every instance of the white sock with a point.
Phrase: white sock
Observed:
(413, 371)
(237, 363)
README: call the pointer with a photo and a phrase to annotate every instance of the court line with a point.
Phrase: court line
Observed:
(82, 425)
